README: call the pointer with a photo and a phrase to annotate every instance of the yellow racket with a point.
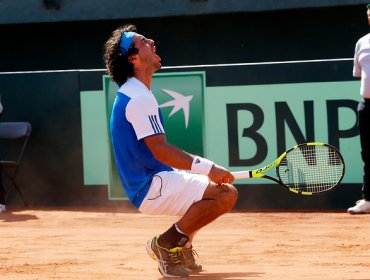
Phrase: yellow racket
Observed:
(306, 169)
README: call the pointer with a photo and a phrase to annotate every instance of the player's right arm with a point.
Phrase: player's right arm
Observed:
(143, 114)
(179, 159)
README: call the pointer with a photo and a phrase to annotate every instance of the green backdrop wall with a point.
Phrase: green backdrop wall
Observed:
(55, 103)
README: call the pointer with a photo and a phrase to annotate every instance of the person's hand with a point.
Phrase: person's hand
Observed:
(220, 175)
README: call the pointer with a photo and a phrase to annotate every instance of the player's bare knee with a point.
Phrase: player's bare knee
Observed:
(233, 196)
(227, 198)
(224, 196)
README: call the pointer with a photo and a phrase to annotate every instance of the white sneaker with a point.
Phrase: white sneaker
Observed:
(362, 207)
(2, 208)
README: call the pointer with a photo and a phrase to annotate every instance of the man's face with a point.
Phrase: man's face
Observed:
(147, 52)
(368, 16)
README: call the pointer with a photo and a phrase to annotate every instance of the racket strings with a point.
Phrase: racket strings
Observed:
(311, 168)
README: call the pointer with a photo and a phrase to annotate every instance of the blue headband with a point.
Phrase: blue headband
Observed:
(126, 40)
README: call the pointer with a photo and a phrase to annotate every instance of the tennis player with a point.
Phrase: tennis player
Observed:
(159, 178)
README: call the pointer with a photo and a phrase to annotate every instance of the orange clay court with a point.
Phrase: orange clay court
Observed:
(109, 244)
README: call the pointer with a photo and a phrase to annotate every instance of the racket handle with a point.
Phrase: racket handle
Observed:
(242, 174)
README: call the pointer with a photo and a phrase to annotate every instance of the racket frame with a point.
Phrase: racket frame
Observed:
(258, 173)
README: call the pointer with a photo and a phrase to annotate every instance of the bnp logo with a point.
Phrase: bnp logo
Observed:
(180, 99)
(179, 102)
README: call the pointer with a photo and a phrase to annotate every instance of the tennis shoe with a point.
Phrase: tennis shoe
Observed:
(169, 260)
(2, 208)
(188, 260)
(362, 207)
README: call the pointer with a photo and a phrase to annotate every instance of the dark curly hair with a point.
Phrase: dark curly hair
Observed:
(118, 66)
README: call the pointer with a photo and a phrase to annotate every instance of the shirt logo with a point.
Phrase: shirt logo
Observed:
(178, 102)
(155, 125)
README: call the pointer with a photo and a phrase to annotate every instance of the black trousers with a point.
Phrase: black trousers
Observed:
(364, 128)
(2, 190)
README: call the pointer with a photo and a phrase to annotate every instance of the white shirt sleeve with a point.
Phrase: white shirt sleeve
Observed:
(142, 112)
(356, 64)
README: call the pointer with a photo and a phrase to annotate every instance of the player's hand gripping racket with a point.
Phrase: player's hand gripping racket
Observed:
(306, 169)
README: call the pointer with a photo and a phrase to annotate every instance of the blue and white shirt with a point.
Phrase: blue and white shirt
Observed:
(135, 115)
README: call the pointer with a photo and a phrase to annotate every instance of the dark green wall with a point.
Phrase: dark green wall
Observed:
(20, 11)
(209, 39)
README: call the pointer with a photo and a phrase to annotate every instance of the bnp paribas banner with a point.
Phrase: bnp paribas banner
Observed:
(180, 98)
(248, 127)
(239, 127)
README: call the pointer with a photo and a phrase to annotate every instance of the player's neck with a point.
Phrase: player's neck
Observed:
(145, 78)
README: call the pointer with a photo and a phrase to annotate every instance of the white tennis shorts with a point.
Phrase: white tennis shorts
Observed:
(173, 192)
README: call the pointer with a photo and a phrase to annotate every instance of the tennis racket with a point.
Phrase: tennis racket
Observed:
(305, 169)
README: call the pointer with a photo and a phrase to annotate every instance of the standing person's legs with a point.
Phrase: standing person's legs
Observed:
(2, 189)
(364, 128)
(2, 193)
(363, 206)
